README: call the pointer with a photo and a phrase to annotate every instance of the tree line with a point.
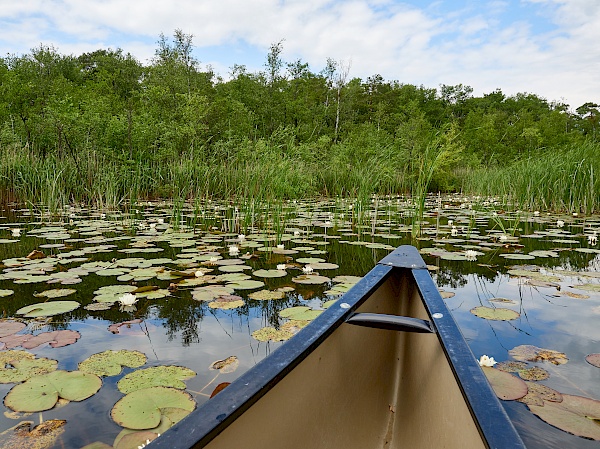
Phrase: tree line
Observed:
(108, 106)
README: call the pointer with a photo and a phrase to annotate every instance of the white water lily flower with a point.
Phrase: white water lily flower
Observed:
(127, 299)
(487, 361)
(281, 266)
(560, 223)
(280, 247)
(307, 269)
(241, 237)
(592, 239)
(296, 233)
(16, 232)
(160, 220)
(575, 214)
(471, 255)
(102, 216)
(213, 259)
(450, 222)
(199, 273)
(536, 213)
(503, 238)
(234, 250)
(454, 231)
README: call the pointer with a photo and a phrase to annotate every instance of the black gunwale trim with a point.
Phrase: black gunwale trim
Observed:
(491, 418)
(211, 418)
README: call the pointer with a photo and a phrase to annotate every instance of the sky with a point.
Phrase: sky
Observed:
(544, 47)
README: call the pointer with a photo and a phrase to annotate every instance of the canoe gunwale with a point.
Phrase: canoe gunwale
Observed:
(215, 415)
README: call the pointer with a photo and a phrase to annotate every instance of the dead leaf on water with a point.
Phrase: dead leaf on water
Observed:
(531, 353)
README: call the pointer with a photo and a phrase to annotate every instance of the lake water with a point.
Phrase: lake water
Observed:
(545, 267)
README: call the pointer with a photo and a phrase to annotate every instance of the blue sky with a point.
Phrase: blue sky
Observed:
(546, 47)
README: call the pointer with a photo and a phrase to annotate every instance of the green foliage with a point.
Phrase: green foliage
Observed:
(102, 127)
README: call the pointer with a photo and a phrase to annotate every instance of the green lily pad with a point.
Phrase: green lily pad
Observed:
(42, 392)
(141, 409)
(534, 373)
(496, 314)
(18, 366)
(574, 414)
(226, 366)
(311, 279)
(538, 393)
(290, 311)
(111, 363)
(156, 376)
(517, 256)
(5, 292)
(511, 366)
(310, 260)
(227, 302)
(210, 292)
(324, 266)
(47, 308)
(266, 295)
(529, 353)
(55, 293)
(270, 273)
(506, 386)
(246, 285)
(271, 334)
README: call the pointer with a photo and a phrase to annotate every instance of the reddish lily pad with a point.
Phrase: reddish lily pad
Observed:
(10, 327)
(114, 328)
(228, 365)
(575, 414)
(57, 339)
(593, 359)
(538, 393)
(505, 385)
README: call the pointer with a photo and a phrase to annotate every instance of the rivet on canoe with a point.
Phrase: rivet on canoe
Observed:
(437, 315)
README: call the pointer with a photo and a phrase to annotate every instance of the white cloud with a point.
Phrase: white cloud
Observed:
(422, 45)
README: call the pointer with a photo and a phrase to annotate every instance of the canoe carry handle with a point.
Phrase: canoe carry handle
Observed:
(391, 322)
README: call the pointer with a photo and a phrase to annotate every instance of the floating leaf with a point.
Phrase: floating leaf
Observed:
(57, 339)
(42, 392)
(531, 353)
(47, 308)
(229, 365)
(588, 287)
(290, 311)
(55, 293)
(511, 367)
(5, 292)
(156, 376)
(538, 393)
(210, 292)
(271, 334)
(10, 327)
(270, 273)
(18, 366)
(447, 295)
(311, 279)
(227, 302)
(114, 328)
(496, 314)
(111, 363)
(246, 285)
(593, 359)
(534, 373)
(266, 295)
(219, 388)
(502, 300)
(575, 414)
(25, 436)
(141, 409)
(505, 385)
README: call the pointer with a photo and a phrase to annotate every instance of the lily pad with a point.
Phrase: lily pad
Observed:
(270, 273)
(155, 376)
(531, 353)
(271, 334)
(47, 308)
(266, 295)
(55, 293)
(496, 314)
(575, 414)
(227, 302)
(505, 385)
(10, 327)
(26, 435)
(141, 409)
(57, 339)
(538, 393)
(246, 285)
(111, 363)
(5, 292)
(534, 373)
(593, 359)
(42, 392)
(226, 366)
(311, 279)
(210, 292)
(18, 366)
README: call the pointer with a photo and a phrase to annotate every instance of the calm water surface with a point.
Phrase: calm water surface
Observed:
(178, 330)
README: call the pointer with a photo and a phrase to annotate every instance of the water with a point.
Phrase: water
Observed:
(178, 330)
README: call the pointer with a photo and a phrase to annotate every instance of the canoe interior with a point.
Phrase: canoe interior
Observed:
(364, 388)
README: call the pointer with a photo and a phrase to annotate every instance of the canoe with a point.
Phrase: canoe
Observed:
(384, 367)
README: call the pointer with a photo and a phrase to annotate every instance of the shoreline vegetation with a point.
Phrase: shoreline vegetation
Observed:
(105, 129)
